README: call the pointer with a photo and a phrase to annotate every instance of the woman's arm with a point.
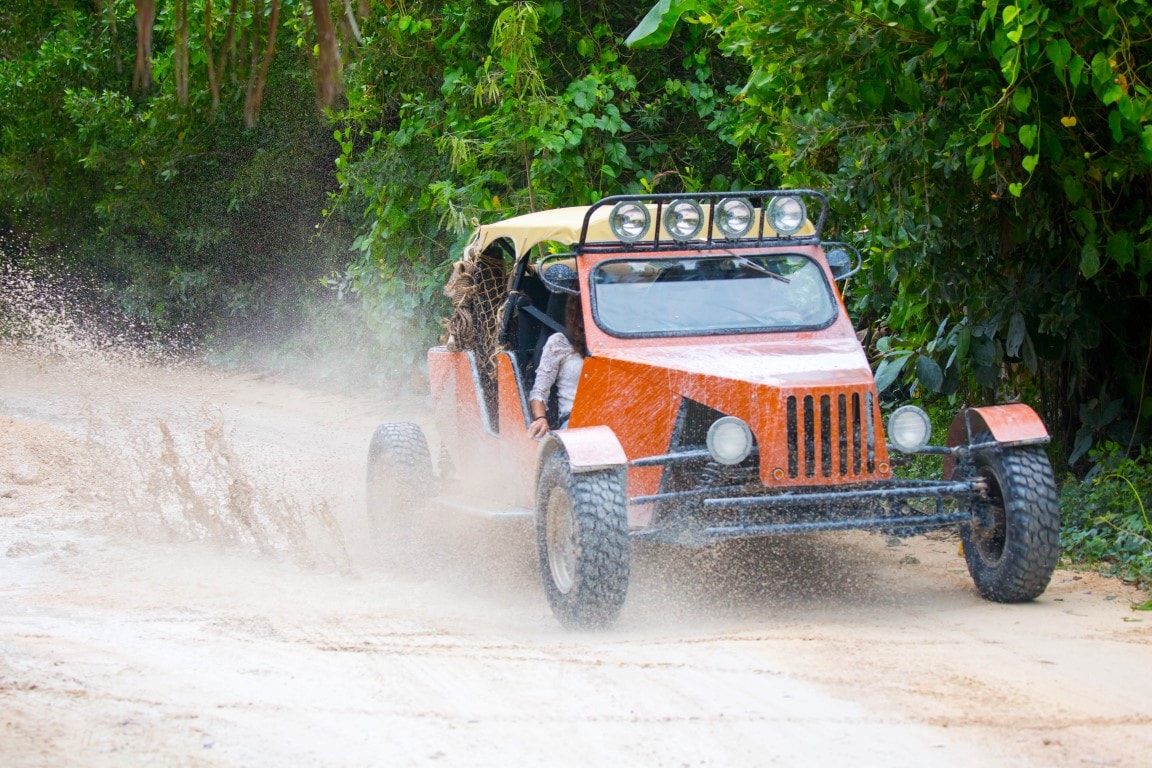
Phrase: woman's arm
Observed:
(539, 425)
(555, 350)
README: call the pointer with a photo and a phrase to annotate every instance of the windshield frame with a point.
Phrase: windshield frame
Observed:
(593, 298)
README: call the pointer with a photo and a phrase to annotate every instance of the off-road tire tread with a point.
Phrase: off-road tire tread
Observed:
(603, 564)
(1032, 545)
(399, 473)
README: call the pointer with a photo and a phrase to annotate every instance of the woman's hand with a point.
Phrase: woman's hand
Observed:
(538, 428)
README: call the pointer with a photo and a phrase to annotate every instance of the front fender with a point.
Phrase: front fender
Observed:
(1013, 424)
(588, 448)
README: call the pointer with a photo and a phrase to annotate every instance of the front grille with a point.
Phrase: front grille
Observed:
(831, 434)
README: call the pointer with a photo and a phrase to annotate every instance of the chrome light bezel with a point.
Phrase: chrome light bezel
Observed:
(671, 219)
(624, 208)
(721, 213)
(909, 429)
(784, 219)
(721, 431)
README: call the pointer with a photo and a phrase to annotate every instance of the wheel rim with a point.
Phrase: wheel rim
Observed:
(560, 538)
(990, 539)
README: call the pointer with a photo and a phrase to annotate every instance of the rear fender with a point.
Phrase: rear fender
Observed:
(441, 374)
(1013, 424)
(588, 449)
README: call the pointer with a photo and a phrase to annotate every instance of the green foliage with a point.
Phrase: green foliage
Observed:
(1108, 515)
(656, 28)
(459, 112)
(995, 158)
(190, 220)
(38, 149)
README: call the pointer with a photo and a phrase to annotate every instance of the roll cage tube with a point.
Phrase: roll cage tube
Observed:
(517, 277)
(761, 233)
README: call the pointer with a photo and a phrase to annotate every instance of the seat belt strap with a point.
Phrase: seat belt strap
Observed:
(546, 320)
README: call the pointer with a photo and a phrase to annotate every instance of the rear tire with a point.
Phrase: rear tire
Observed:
(399, 475)
(1012, 544)
(582, 540)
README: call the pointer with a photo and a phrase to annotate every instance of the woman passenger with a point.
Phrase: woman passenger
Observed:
(560, 364)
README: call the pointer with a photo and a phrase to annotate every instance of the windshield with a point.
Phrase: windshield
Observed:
(725, 294)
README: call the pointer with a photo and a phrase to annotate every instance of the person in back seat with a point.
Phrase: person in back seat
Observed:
(560, 364)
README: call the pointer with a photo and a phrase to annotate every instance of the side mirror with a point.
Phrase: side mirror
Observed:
(840, 261)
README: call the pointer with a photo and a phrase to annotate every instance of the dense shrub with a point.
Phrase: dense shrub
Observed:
(1107, 516)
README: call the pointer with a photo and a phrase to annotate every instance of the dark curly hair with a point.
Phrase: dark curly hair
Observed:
(574, 321)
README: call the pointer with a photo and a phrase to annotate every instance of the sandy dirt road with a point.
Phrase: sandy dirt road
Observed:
(186, 579)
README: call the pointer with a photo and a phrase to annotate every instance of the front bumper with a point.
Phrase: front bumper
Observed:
(708, 515)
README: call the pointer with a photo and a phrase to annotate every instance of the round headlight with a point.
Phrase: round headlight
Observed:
(734, 217)
(729, 440)
(629, 221)
(683, 219)
(787, 215)
(909, 429)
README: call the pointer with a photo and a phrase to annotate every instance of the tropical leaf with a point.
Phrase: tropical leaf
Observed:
(657, 26)
(929, 374)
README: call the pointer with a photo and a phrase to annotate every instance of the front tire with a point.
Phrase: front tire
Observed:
(399, 475)
(582, 541)
(1012, 543)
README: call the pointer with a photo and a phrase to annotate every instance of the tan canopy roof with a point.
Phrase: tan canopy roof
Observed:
(562, 225)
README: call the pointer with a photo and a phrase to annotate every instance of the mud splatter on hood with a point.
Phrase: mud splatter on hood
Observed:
(778, 363)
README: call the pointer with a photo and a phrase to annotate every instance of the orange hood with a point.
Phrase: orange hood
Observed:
(782, 363)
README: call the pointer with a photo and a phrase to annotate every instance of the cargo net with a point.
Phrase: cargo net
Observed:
(477, 288)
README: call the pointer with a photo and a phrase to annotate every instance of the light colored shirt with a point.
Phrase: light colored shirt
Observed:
(560, 364)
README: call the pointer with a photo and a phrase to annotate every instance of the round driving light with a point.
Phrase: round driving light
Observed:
(734, 217)
(729, 440)
(683, 219)
(787, 215)
(909, 429)
(629, 221)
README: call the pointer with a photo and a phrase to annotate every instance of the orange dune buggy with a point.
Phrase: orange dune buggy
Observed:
(724, 394)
